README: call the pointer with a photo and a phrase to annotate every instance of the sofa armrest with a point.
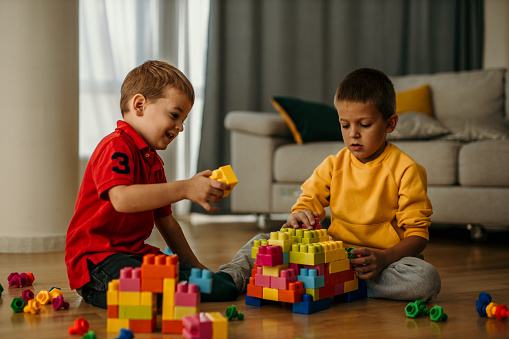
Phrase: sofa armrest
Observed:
(257, 123)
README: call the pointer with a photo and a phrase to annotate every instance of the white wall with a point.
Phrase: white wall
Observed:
(496, 44)
(39, 129)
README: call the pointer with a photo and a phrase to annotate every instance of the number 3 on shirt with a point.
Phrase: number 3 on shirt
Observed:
(123, 163)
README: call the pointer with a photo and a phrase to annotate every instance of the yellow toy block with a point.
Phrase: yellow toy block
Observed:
(322, 235)
(168, 299)
(307, 254)
(270, 293)
(219, 325)
(136, 312)
(148, 299)
(339, 266)
(114, 324)
(225, 174)
(129, 298)
(256, 244)
(309, 237)
(183, 311)
(351, 285)
(274, 271)
(282, 239)
(314, 293)
(112, 294)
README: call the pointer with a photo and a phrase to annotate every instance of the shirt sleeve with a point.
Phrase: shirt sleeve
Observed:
(165, 210)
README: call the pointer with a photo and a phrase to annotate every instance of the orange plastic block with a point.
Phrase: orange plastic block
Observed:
(293, 294)
(112, 311)
(159, 266)
(142, 326)
(253, 290)
(172, 326)
(225, 174)
(154, 285)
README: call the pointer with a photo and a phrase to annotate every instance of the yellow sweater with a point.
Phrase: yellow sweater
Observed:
(372, 205)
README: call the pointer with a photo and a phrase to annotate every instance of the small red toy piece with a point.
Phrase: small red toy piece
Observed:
(80, 327)
(27, 295)
(20, 280)
(501, 312)
(58, 302)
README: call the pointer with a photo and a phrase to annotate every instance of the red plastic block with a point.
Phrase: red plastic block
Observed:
(332, 279)
(339, 289)
(253, 290)
(142, 326)
(293, 294)
(159, 266)
(172, 326)
(327, 291)
(197, 326)
(346, 275)
(187, 294)
(130, 279)
(260, 279)
(112, 311)
(286, 277)
(269, 256)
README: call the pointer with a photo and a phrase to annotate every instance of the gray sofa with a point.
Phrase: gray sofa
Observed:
(468, 169)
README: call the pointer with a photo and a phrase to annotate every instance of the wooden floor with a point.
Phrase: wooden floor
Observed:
(466, 269)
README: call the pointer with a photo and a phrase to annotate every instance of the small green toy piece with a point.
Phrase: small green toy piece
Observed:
(18, 304)
(437, 314)
(231, 313)
(350, 256)
(416, 308)
(89, 335)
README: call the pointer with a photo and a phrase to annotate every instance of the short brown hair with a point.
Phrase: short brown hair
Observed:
(152, 79)
(368, 85)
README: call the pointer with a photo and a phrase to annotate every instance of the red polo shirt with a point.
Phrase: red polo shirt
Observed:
(97, 230)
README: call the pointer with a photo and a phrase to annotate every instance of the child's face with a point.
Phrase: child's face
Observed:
(364, 129)
(159, 121)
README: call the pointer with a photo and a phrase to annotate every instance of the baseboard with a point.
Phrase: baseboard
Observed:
(32, 244)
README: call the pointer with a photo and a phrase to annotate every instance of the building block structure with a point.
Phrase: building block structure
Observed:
(132, 299)
(205, 325)
(302, 267)
(225, 174)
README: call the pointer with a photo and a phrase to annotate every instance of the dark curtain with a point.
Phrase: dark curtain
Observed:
(304, 48)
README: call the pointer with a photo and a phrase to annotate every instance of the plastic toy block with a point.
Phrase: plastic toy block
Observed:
(416, 309)
(437, 314)
(159, 266)
(314, 293)
(322, 235)
(253, 301)
(274, 271)
(308, 306)
(331, 279)
(260, 279)
(320, 268)
(334, 250)
(136, 312)
(339, 289)
(115, 324)
(482, 302)
(327, 291)
(311, 279)
(225, 174)
(253, 290)
(80, 327)
(351, 285)
(286, 257)
(490, 309)
(154, 285)
(27, 295)
(197, 326)
(20, 280)
(338, 266)
(293, 294)
(112, 293)
(203, 279)
(501, 312)
(55, 292)
(130, 279)
(112, 311)
(309, 237)
(172, 326)
(142, 325)
(43, 297)
(256, 245)
(129, 298)
(219, 325)
(286, 277)
(33, 306)
(169, 299)
(125, 333)
(182, 311)
(89, 335)
(148, 299)
(18, 304)
(232, 313)
(270, 294)
(307, 254)
(58, 303)
(345, 276)
(187, 294)
(360, 293)
(281, 239)
(269, 256)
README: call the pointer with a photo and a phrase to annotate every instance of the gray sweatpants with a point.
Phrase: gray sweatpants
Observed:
(410, 278)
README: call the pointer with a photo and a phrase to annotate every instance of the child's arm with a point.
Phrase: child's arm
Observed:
(138, 198)
(373, 262)
(174, 237)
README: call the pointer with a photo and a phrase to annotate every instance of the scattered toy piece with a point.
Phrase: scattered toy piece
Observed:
(80, 327)
(20, 280)
(18, 304)
(125, 333)
(416, 308)
(437, 314)
(33, 307)
(27, 295)
(58, 302)
(232, 313)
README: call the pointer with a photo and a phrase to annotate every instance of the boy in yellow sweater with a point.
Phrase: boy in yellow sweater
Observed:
(376, 193)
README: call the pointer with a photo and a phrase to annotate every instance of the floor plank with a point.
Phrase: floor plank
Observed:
(466, 269)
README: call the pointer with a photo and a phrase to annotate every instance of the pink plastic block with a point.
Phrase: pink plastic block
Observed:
(320, 268)
(269, 255)
(197, 326)
(285, 278)
(317, 225)
(130, 279)
(187, 294)
(260, 279)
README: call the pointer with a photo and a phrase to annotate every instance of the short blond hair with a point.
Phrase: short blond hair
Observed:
(152, 79)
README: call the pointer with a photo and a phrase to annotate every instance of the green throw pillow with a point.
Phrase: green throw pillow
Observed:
(309, 121)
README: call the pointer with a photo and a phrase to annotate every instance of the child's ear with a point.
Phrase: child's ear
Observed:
(139, 102)
(391, 123)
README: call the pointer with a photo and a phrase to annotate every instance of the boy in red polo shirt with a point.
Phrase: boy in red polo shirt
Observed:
(124, 191)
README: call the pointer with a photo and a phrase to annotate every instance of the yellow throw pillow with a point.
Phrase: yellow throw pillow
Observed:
(414, 100)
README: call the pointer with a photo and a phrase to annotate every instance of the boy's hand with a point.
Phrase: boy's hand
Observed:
(203, 190)
(306, 217)
(369, 264)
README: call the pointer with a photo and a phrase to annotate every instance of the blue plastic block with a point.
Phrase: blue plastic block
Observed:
(253, 301)
(167, 251)
(360, 293)
(311, 279)
(201, 278)
(308, 306)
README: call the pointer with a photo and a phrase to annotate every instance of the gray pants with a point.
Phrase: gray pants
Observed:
(410, 278)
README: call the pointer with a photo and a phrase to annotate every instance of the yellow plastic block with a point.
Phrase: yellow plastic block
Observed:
(314, 293)
(115, 324)
(183, 311)
(168, 299)
(274, 271)
(339, 266)
(136, 312)
(219, 325)
(112, 294)
(351, 285)
(148, 299)
(129, 298)
(225, 174)
(322, 235)
(256, 244)
(305, 254)
(270, 294)
(282, 239)
(309, 237)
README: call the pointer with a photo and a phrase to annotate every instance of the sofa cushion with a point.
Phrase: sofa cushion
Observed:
(414, 100)
(484, 163)
(417, 126)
